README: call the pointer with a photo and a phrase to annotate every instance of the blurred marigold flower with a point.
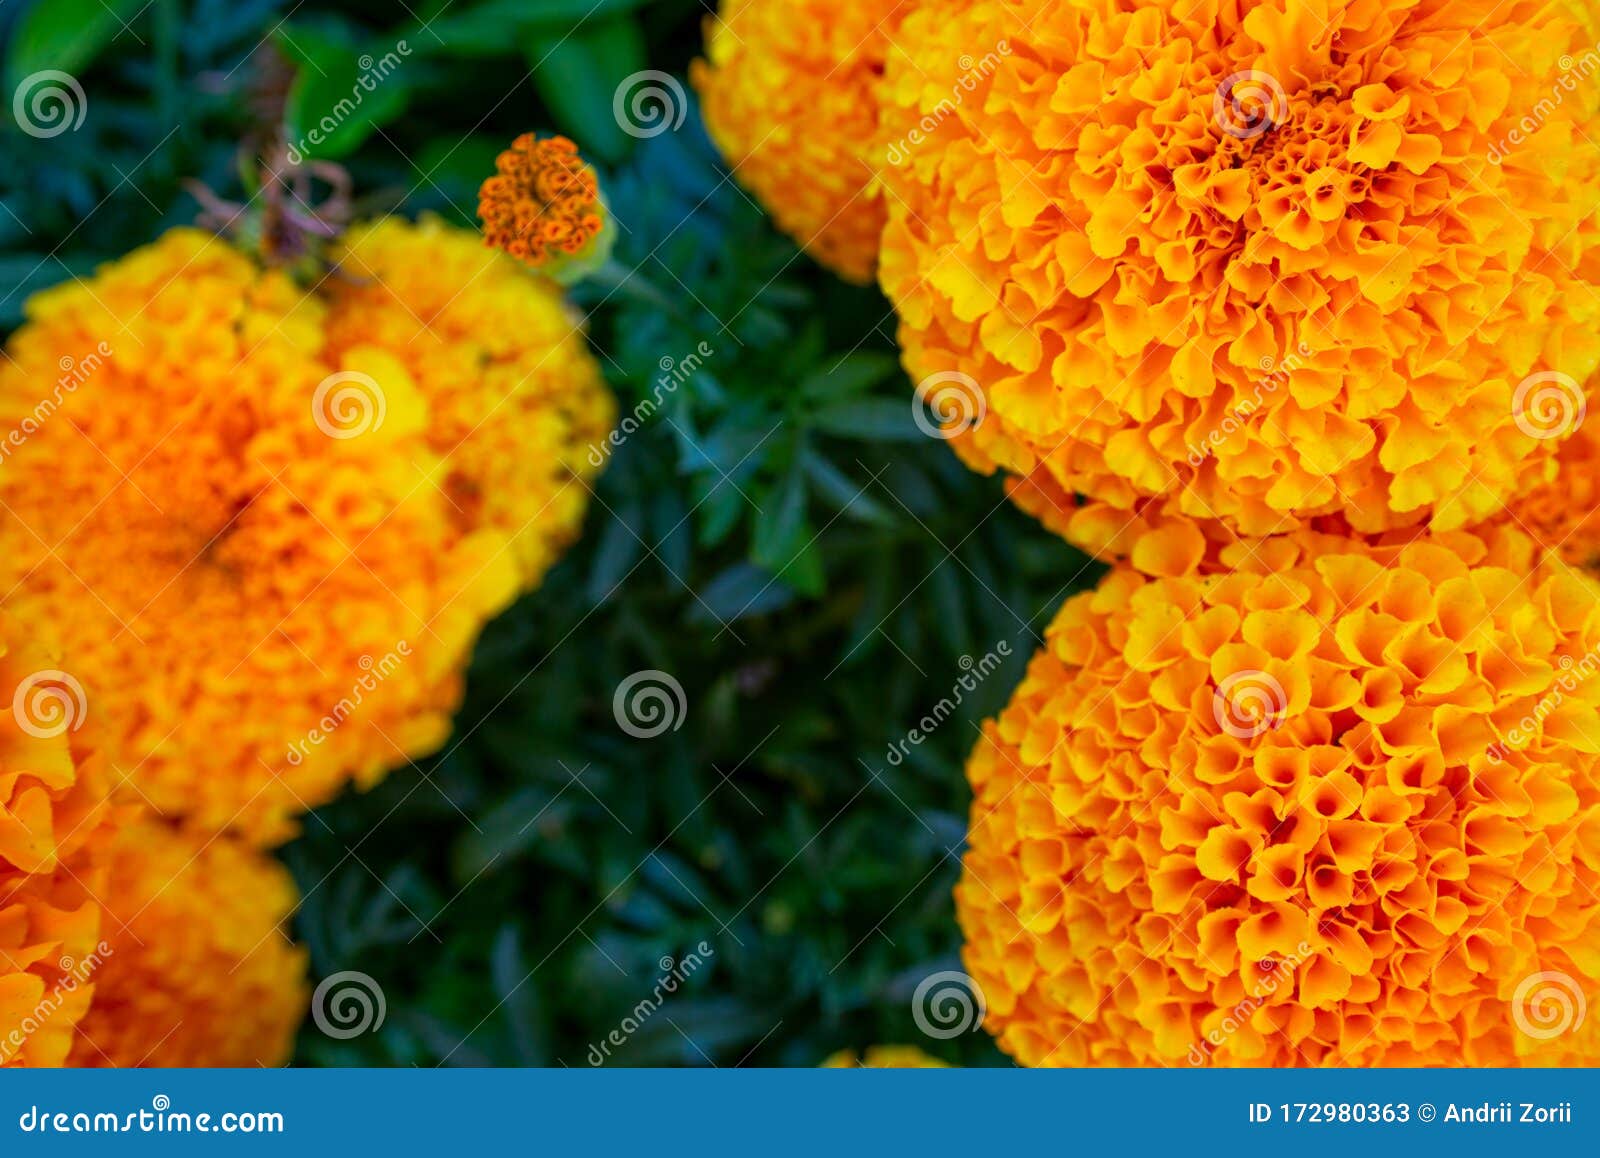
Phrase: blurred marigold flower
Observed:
(1260, 263)
(276, 520)
(1308, 800)
(544, 208)
(199, 969)
(788, 91)
(53, 831)
(885, 1057)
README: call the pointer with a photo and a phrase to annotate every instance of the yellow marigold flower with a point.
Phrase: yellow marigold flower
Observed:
(789, 94)
(277, 520)
(197, 969)
(543, 207)
(1258, 262)
(885, 1057)
(1565, 514)
(1312, 801)
(53, 818)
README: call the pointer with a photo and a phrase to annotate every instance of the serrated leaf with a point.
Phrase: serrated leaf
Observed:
(868, 420)
(849, 375)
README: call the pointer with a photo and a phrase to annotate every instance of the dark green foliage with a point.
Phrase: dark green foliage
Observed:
(778, 536)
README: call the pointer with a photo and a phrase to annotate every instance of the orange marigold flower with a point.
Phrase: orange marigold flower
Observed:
(1259, 262)
(277, 520)
(196, 968)
(789, 94)
(53, 819)
(543, 207)
(885, 1057)
(1315, 802)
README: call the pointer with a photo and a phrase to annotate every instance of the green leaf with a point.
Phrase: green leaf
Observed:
(869, 420)
(850, 375)
(488, 29)
(340, 93)
(578, 73)
(783, 537)
(65, 35)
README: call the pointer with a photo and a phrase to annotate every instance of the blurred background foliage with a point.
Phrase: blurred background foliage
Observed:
(780, 537)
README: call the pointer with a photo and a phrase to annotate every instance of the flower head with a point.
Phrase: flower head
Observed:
(277, 520)
(195, 967)
(1257, 262)
(1304, 801)
(543, 207)
(53, 824)
(885, 1057)
(789, 93)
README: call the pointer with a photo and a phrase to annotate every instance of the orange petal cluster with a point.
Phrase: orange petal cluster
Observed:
(1309, 800)
(197, 968)
(53, 822)
(277, 519)
(788, 91)
(1255, 262)
(543, 204)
